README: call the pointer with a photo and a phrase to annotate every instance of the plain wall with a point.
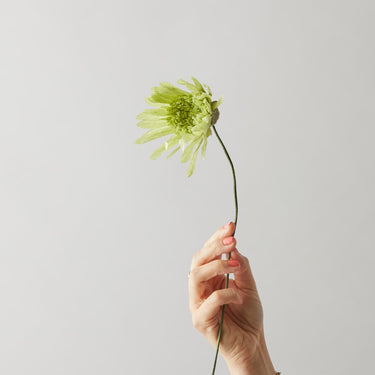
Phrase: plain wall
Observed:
(96, 240)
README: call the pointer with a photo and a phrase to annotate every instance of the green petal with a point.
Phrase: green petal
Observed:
(182, 141)
(167, 87)
(149, 101)
(202, 127)
(153, 124)
(154, 134)
(204, 147)
(158, 98)
(217, 103)
(153, 114)
(186, 155)
(167, 145)
(171, 142)
(164, 94)
(173, 152)
(189, 85)
(193, 160)
(208, 89)
(158, 152)
(198, 84)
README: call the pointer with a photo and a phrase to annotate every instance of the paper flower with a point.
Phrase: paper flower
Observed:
(185, 115)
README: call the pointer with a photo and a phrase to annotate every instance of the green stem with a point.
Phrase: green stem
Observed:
(235, 223)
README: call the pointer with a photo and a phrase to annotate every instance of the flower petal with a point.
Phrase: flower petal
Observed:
(164, 94)
(198, 84)
(171, 89)
(173, 152)
(186, 155)
(158, 98)
(154, 134)
(204, 147)
(208, 89)
(189, 86)
(182, 143)
(153, 113)
(171, 142)
(215, 104)
(150, 101)
(193, 160)
(158, 152)
(152, 124)
(167, 145)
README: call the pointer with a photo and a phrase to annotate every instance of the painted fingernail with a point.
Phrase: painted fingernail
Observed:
(228, 240)
(233, 263)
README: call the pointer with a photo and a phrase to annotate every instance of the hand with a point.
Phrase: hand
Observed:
(242, 341)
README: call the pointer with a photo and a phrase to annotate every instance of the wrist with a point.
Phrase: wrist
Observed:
(255, 361)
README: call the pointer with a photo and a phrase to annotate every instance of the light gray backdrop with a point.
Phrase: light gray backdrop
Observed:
(96, 239)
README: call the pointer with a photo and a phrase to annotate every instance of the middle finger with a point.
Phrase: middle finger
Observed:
(199, 277)
(213, 269)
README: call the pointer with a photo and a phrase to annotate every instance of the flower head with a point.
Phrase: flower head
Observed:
(186, 116)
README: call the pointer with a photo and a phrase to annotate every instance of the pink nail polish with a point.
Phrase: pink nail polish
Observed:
(233, 263)
(228, 240)
(226, 226)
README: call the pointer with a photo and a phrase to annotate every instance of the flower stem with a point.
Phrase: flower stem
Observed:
(235, 225)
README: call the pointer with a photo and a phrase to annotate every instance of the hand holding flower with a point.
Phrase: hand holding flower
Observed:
(242, 342)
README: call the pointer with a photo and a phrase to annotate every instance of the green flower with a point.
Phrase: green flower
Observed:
(186, 116)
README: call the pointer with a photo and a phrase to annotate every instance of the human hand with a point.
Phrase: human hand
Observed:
(242, 342)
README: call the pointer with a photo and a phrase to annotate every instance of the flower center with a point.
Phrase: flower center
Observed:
(182, 111)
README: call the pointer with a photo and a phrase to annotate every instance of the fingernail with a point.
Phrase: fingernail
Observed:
(228, 240)
(233, 263)
(226, 226)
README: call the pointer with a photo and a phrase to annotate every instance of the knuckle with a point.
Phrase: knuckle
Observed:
(223, 266)
(214, 270)
(196, 257)
(218, 249)
(197, 324)
(232, 293)
(233, 245)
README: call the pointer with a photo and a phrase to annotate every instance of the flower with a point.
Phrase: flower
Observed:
(185, 115)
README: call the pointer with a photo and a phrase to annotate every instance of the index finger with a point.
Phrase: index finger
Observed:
(214, 247)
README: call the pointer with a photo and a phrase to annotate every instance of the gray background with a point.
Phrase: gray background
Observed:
(96, 239)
